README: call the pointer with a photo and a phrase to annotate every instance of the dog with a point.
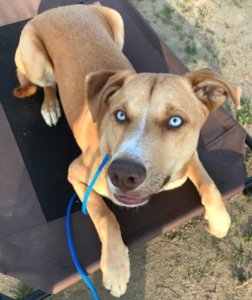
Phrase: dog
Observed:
(149, 124)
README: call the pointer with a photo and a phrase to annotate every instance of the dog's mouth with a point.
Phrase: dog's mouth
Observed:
(131, 200)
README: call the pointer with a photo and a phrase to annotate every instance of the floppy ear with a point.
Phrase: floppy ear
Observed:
(101, 85)
(212, 89)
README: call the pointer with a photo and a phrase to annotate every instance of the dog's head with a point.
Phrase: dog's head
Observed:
(149, 124)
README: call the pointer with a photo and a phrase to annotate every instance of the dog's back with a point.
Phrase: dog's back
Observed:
(76, 40)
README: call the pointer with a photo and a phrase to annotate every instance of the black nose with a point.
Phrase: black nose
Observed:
(126, 174)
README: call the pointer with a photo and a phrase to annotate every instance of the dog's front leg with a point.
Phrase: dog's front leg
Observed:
(215, 212)
(115, 263)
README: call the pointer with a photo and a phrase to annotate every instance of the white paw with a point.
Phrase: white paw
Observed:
(218, 223)
(116, 271)
(51, 111)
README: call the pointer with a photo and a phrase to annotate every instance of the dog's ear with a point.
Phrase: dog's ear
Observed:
(212, 89)
(101, 85)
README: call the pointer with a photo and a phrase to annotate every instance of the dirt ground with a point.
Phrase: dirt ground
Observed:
(188, 263)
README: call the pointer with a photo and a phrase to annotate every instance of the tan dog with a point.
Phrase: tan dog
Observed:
(149, 124)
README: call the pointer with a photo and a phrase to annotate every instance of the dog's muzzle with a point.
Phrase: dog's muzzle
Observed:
(126, 175)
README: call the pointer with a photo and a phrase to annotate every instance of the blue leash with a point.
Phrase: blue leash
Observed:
(68, 227)
(92, 183)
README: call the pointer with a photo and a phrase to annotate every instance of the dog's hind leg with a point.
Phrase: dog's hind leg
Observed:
(35, 69)
(50, 109)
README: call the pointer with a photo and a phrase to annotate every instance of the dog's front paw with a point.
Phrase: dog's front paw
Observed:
(218, 223)
(51, 111)
(115, 266)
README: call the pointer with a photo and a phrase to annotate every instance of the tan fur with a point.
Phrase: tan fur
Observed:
(25, 91)
(79, 48)
(26, 88)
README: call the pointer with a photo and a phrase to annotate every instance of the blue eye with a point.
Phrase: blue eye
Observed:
(120, 116)
(175, 122)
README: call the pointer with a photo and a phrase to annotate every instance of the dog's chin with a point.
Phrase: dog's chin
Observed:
(130, 201)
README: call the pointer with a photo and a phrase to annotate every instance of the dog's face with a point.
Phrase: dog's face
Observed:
(149, 124)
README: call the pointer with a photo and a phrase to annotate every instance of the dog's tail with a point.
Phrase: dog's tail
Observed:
(26, 88)
(25, 91)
